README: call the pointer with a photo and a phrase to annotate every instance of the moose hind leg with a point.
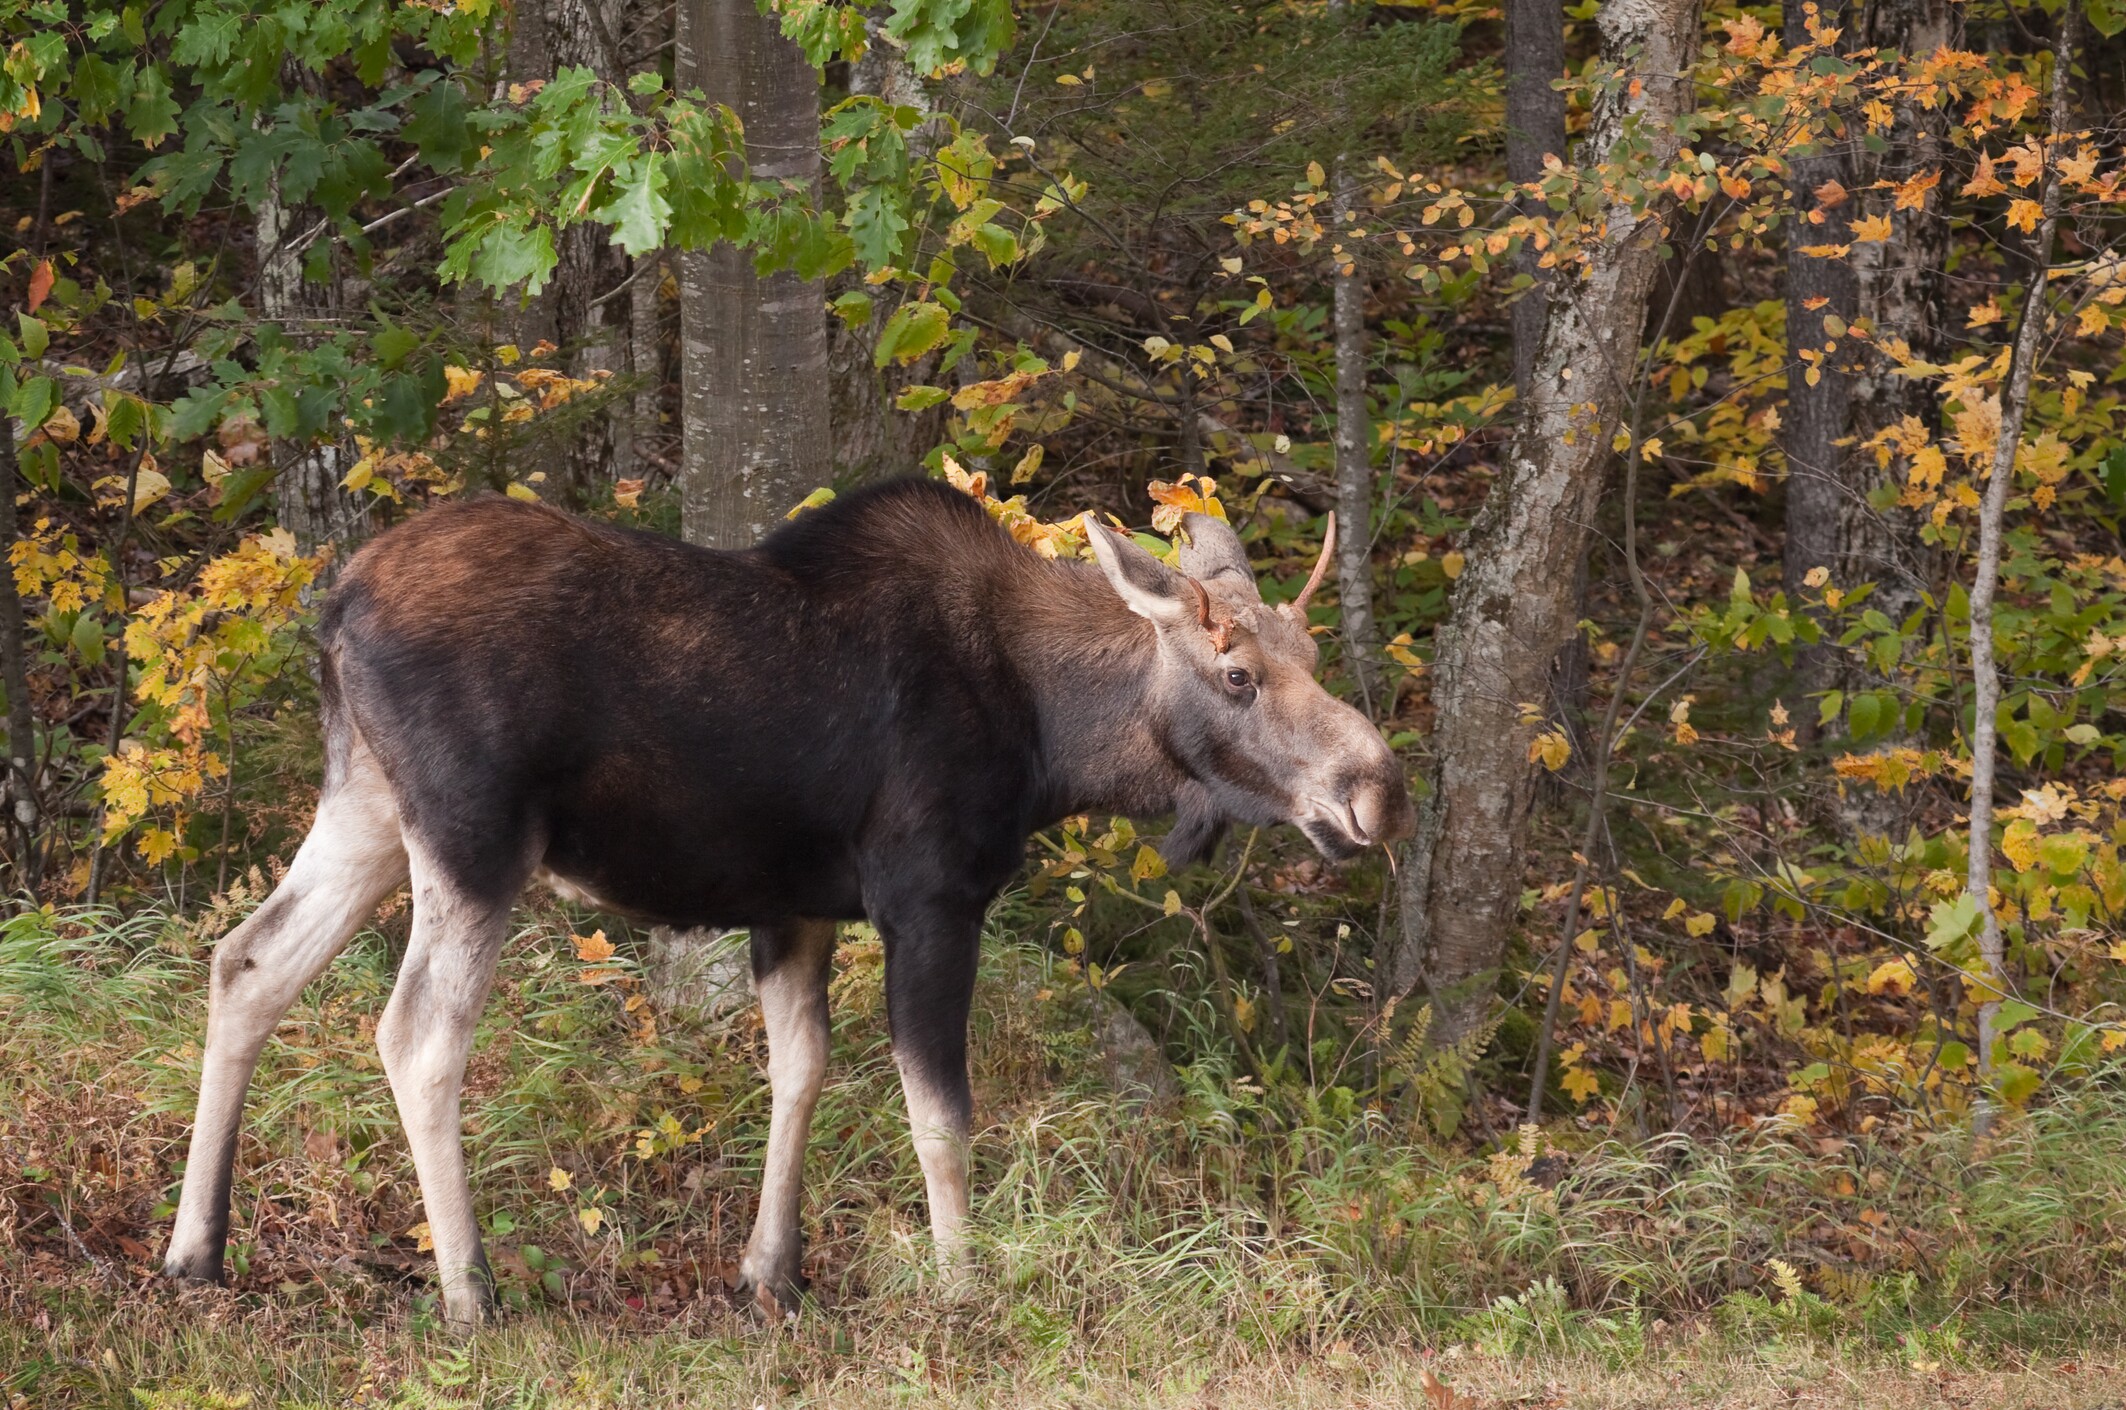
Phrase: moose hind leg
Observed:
(929, 992)
(425, 1038)
(352, 859)
(790, 969)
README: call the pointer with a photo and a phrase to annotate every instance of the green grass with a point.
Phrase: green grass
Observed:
(1296, 1254)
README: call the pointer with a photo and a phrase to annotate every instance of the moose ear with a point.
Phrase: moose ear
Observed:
(1149, 588)
(1210, 549)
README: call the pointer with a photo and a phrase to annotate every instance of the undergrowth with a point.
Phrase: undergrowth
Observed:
(616, 1153)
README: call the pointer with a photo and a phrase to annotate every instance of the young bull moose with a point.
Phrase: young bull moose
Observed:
(863, 717)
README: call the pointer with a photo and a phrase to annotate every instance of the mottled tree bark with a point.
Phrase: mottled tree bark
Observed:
(1816, 411)
(1354, 438)
(1901, 288)
(645, 363)
(572, 312)
(311, 504)
(1535, 129)
(753, 348)
(22, 760)
(1513, 608)
(1354, 466)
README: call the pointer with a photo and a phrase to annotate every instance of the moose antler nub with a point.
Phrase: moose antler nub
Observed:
(1321, 566)
(1221, 633)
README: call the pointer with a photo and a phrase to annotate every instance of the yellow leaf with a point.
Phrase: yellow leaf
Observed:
(2019, 842)
(149, 485)
(2091, 320)
(2024, 214)
(1893, 977)
(1587, 941)
(423, 1240)
(1700, 923)
(1580, 1084)
(1551, 748)
(592, 1219)
(1675, 908)
(517, 489)
(1452, 562)
(1148, 864)
(818, 499)
(1173, 903)
(61, 427)
(1870, 229)
(1315, 175)
(628, 493)
(459, 382)
(1069, 80)
(559, 1179)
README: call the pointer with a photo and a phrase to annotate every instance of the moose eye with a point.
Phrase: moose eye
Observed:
(1238, 679)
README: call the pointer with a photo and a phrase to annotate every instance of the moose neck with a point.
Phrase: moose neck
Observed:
(1091, 665)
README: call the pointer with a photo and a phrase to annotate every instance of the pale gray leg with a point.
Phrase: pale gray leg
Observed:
(425, 1037)
(352, 859)
(938, 1123)
(790, 967)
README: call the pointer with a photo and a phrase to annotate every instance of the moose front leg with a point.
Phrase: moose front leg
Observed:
(930, 969)
(791, 964)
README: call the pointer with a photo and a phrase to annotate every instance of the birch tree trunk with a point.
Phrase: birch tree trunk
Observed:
(1535, 129)
(572, 311)
(311, 504)
(1985, 674)
(1513, 608)
(753, 349)
(1354, 469)
(1354, 441)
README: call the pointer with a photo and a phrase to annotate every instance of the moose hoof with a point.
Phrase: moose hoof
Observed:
(776, 1285)
(193, 1270)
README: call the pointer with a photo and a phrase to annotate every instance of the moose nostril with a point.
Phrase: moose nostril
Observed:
(1382, 813)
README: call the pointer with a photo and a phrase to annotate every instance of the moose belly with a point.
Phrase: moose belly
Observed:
(658, 868)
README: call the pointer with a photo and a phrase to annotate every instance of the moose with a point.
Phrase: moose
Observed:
(863, 717)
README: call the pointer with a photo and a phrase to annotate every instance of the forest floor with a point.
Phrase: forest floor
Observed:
(1230, 1249)
(154, 1350)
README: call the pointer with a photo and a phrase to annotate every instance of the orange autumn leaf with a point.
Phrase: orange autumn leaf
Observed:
(1870, 229)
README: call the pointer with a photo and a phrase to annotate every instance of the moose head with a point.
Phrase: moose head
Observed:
(1259, 738)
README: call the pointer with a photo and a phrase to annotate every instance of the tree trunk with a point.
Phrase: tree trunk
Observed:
(1816, 412)
(871, 436)
(1513, 608)
(1901, 287)
(1354, 469)
(1985, 675)
(753, 370)
(1535, 129)
(572, 312)
(312, 505)
(645, 363)
(754, 425)
(14, 676)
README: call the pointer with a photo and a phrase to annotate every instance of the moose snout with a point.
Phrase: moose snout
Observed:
(1382, 810)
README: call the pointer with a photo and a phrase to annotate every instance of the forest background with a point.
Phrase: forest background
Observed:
(1719, 404)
